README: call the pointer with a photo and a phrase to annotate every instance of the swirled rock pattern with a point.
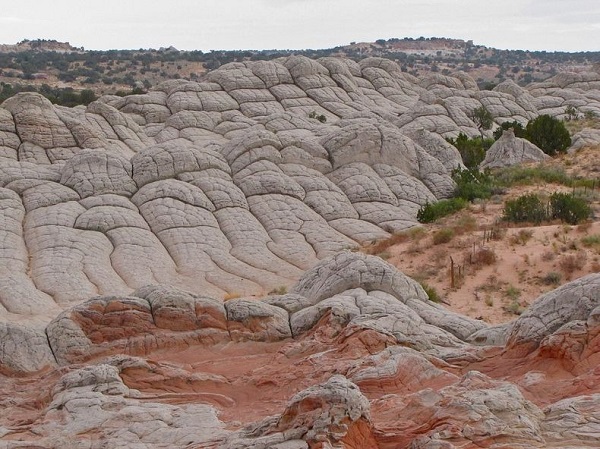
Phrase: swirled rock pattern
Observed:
(140, 236)
(354, 356)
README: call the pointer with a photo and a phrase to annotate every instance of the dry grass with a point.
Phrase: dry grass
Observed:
(484, 256)
(521, 237)
(444, 235)
(570, 263)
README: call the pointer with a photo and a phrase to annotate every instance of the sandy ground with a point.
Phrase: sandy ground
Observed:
(500, 269)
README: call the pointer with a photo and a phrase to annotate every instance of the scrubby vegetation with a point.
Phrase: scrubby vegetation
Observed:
(569, 208)
(549, 134)
(472, 150)
(431, 212)
(530, 208)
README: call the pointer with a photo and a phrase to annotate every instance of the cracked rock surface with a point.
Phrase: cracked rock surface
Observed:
(179, 269)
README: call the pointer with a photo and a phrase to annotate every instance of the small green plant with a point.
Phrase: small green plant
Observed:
(514, 307)
(571, 113)
(432, 293)
(430, 212)
(526, 208)
(513, 292)
(482, 118)
(319, 117)
(552, 278)
(444, 235)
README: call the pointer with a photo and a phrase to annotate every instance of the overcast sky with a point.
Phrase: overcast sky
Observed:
(566, 25)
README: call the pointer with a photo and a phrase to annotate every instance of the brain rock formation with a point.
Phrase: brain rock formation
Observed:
(141, 236)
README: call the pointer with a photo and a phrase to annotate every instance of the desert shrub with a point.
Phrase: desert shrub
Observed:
(512, 292)
(552, 278)
(549, 134)
(569, 208)
(432, 211)
(526, 208)
(432, 293)
(569, 263)
(383, 245)
(444, 235)
(484, 256)
(514, 307)
(521, 237)
(591, 240)
(465, 223)
(472, 151)
(472, 184)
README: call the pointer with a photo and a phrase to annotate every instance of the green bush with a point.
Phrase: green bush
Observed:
(562, 206)
(432, 211)
(526, 208)
(569, 208)
(472, 151)
(549, 134)
(472, 184)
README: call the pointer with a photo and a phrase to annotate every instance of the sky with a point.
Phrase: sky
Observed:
(551, 25)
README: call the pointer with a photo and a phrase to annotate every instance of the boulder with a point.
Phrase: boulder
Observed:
(510, 150)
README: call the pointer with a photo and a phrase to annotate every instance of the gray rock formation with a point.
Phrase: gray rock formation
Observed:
(510, 150)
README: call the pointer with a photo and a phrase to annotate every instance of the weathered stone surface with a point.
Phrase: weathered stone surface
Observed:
(160, 206)
(510, 150)
(23, 349)
(327, 414)
(570, 302)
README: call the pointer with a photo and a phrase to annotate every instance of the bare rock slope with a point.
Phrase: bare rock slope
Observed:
(125, 225)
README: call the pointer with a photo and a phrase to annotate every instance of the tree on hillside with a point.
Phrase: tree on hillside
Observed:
(549, 134)
(482, 118)
(516, 126)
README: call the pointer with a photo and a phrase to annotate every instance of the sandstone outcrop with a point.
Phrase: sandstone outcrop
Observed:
(510, 150)
(354, 356)
(179, 269)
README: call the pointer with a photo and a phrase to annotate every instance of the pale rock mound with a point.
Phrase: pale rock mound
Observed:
(510, 150)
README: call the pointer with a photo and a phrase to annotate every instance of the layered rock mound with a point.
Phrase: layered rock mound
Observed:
(140, 236)
(354, 356)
